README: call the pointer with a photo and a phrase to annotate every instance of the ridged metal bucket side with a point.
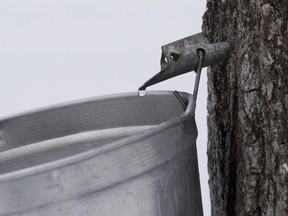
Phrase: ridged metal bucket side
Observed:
(151, 171)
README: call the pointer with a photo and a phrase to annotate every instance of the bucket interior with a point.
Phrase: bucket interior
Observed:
(54, 133)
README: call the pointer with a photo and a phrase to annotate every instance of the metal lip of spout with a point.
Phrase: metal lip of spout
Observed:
(181, 57)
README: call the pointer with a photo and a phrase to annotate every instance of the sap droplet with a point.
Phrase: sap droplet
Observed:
(141, 93)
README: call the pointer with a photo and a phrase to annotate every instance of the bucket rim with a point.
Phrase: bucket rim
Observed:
(74, 159)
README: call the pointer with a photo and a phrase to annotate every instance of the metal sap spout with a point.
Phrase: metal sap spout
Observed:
(181, 56)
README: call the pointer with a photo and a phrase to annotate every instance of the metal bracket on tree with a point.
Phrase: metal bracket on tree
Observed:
(182, 56)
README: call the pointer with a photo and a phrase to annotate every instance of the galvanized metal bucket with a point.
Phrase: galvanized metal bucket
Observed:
(119, 155)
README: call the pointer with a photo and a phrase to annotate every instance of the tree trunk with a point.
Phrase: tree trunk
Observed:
(248, 108)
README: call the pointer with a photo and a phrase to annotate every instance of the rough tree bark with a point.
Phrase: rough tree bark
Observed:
(248, 108)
